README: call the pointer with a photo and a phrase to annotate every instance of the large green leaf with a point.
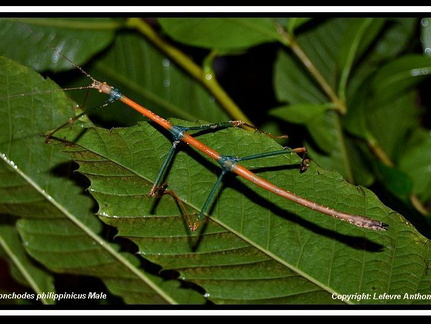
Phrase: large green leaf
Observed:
(54, 219)
(256, 247)
(26, 41)
(221, 33)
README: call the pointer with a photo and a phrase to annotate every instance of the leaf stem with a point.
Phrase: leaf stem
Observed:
(414, 200)
(290, 41)
(379, 152)
(338, 105)
(205, 78)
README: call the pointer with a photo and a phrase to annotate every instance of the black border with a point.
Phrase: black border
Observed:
(226, 310)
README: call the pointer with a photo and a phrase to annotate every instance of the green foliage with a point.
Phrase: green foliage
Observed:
(210, 32)
(349, 85)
